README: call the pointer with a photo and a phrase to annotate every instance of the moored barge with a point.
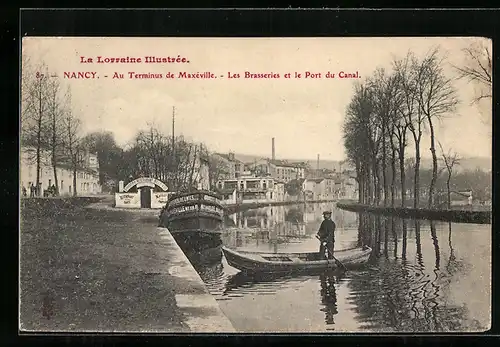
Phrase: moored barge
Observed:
(198, 212)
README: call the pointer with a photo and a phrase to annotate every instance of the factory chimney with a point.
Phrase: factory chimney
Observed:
(317, 167)
(273, 151)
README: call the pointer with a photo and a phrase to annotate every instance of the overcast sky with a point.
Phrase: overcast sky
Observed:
(242, 115)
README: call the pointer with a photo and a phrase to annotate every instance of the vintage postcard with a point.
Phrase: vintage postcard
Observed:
(237, 185)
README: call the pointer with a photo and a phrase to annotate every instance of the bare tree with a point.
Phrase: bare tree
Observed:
(218, 169)
(34, 114)
(381, 100)
(55, 125)
(436, 96)
(408, 76)
(154, 156)
(450, 160)
(72, 141)
(478, 68)
(388, 101)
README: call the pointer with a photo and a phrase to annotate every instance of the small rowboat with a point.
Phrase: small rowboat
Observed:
(255, 262)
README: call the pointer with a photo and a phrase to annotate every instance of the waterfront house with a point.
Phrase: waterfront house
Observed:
(314, 189)
(87, 175)
(278, 169)
(279, 190)
(286, 171)
(250, 188)
(232, 167)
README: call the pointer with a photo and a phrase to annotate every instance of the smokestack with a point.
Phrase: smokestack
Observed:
(317, 168)
(273, 150)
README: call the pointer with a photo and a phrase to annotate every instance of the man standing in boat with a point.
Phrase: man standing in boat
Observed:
(326, 234)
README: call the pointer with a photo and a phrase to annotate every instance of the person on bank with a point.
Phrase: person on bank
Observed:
(326, 235)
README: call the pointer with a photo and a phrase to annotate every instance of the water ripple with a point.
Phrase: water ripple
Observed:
(410, 284)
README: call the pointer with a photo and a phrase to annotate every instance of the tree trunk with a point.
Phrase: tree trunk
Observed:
(39, 144)
(74, 176)
(394, 173)
(54, 167)
(376, 180)
(368, 185)
(358, 179)
(54, 155)
(434, 164)
(402, 176)
(191, 175)
(416, 181)
(405, 239)
(384, 166)
(37, 183)
(448, 191)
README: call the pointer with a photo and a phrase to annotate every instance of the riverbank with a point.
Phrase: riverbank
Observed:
(233, 208)
(87, 269)
(457, 216)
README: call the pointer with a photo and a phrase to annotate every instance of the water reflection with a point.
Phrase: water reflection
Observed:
(328, 297)
(241, 284)
(423, 276)
(435, 242)
(273, 228)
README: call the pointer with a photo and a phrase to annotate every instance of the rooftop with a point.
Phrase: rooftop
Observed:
(285, 163)
(315, 180)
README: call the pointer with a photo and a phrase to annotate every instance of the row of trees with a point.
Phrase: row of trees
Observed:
(388, 111)
(50, 128)
(48, 124)
(177, 162)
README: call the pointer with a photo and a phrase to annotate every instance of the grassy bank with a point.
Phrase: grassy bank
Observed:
(91, 270)
(457, 216)
(59, 202)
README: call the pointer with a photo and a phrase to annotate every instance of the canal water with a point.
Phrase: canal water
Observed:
(422, 276)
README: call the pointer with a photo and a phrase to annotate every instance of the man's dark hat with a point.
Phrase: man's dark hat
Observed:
(327, 212)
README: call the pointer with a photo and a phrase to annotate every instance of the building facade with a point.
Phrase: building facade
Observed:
(229, 166)
(87, 176)
(248, 189)
(202, 173)
(277, 169)
(286, 171)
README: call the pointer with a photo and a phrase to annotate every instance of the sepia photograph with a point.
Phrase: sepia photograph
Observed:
(255, 185)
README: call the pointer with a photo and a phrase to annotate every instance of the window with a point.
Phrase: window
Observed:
(62, 185)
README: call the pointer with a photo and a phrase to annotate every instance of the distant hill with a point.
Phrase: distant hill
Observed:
(484, 163)
(471, 163)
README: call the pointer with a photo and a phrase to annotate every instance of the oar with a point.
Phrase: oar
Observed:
(339, 263)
